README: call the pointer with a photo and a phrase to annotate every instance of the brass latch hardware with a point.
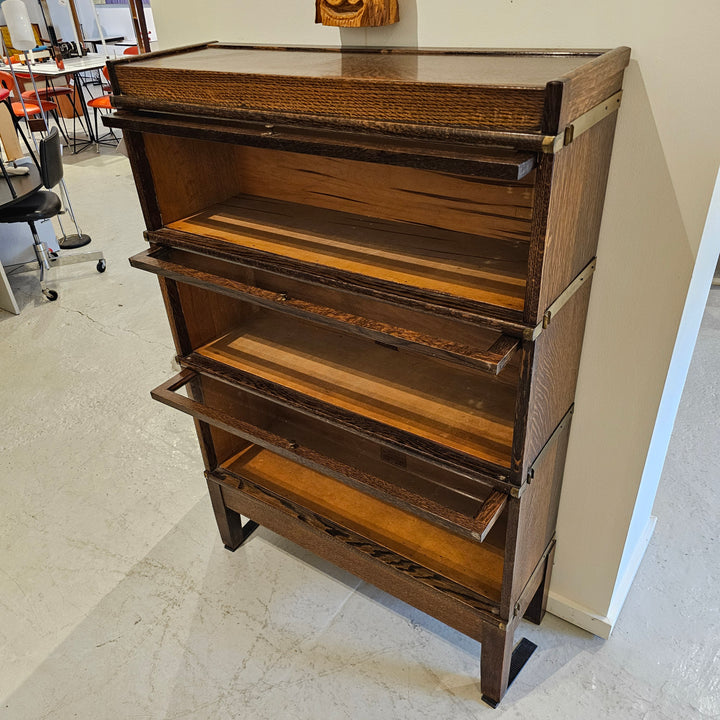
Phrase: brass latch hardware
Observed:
(550, 442)
(553, 143)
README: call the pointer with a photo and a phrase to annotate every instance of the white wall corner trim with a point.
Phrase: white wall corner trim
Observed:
(602, 625)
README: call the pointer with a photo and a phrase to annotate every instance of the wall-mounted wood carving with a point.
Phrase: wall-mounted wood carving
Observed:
(356, 13)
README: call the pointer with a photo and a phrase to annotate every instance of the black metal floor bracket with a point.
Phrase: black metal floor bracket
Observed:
(247, 529)
(521, 654)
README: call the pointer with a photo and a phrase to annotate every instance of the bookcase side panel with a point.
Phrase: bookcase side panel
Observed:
(532, 520)
(565, 233)
(556, 360)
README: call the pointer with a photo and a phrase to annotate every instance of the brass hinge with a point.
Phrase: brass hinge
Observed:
(553, 143)
(569, 291)
(554, 308)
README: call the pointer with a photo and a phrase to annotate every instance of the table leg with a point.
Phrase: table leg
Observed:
(79, 95)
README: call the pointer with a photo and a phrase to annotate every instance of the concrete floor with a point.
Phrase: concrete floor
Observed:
(117, 599)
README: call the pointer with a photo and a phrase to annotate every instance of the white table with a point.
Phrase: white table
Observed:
(49, 68)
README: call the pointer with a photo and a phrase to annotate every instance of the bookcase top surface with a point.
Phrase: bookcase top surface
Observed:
(500, 68)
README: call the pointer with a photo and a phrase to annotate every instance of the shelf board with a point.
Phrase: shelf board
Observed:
(452, 268)
(452, 407)
(476, 566)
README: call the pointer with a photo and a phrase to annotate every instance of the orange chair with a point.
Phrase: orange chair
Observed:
(98, 104)
(134, 50)
(50, 93)
(45, 93)
(33, 108)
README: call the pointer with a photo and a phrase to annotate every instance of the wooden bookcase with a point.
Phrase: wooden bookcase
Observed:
(376, 266)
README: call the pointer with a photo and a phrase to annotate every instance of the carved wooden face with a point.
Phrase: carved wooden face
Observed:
(356, 13)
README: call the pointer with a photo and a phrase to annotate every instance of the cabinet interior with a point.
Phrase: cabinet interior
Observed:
(477, 566)
(449, 405)
(455, 240)
(462, 341)
(458, 503)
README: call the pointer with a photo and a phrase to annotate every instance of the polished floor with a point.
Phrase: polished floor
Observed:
(118, 601)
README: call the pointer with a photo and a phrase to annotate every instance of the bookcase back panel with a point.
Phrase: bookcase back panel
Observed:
(213, 172)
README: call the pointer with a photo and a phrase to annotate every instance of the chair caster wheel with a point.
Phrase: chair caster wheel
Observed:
(50, 295)
(101, 266)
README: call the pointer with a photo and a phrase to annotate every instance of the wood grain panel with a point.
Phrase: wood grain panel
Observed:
(592, 83)
(230, 419)
(463, 156)
(143, 176)
(532, 519)
(491, 316)
(489, 208)
(219, 444)
(189, 176)
(450, 603)
(555, 363)
(517, 67)
(475, 345)
(567, 235)
(208, 315)
(205, 173)
(173, 308)
(217, 94)
(474, 565)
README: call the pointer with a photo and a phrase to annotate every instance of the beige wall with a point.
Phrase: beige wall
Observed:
(666, 156)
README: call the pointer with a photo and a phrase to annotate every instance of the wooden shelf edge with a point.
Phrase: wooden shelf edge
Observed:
(490, 512)
(494, 163)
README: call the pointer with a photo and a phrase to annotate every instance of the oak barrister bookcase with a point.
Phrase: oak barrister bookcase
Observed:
(376, 265)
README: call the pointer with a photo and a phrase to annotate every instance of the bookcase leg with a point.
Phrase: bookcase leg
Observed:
(500, 664)
(536, 609)
(229, 523)
(495, 658)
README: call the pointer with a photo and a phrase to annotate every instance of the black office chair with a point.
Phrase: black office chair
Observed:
(42, 205)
